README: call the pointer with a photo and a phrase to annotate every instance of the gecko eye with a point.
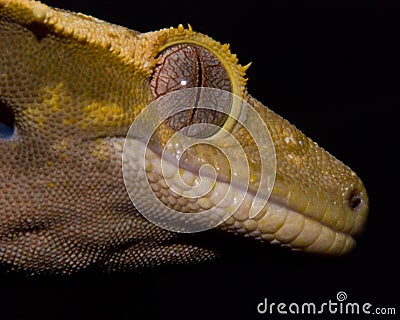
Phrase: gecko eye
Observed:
(7, 120)
(190, 66)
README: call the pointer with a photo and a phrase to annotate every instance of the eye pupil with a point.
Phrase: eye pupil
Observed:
(199, 70)
(6, 122)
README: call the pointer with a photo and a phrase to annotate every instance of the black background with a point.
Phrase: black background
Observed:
(329, 68)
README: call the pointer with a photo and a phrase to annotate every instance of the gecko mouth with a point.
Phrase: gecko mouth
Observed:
(186, 186)
(198, 163)
(275, 222)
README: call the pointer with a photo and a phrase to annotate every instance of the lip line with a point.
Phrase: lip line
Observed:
(272, 199)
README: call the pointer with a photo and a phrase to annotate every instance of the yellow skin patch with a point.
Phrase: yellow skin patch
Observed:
(75, 84)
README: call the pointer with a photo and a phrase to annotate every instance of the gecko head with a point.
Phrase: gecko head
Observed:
(275, 185)
(69, 100)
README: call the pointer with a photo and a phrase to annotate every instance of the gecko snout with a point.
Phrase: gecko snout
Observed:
(355, 201)
(358, 204)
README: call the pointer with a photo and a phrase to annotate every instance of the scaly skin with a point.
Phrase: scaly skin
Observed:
(74, 85)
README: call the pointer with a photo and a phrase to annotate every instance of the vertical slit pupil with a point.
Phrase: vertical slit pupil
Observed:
(7, 121)
(199, 85)
(200, 71)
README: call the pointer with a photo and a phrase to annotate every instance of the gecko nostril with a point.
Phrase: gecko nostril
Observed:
(7, 121)
(355, 200)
